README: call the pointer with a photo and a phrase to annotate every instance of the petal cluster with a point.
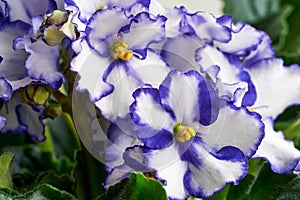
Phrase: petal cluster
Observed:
(181, 91)
(29, 60)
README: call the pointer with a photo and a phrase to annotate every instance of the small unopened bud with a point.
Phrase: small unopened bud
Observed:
(53, 111)
(34, 94)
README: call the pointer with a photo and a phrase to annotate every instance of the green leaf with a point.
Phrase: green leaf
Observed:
(35, 160)
(62, 182)
(222, 195)
(264, 184)
(6, 170)
(42, 192)
(276, 25)
(64, 136)
(89, 174)
(251, 11)
(135, 188)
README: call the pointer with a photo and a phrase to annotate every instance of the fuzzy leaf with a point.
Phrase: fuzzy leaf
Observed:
(44, 192)
(250, 11)
(6, 170)
(135, 188)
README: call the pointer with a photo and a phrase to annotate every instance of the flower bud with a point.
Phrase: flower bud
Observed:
(34, 94)
(53, 111)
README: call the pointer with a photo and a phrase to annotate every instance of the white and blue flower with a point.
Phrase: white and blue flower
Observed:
(184, 134)
(114, 58)
(18, 117)
(275, 86)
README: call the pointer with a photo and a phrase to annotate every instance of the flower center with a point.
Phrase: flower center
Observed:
(120, 50)
(183, 133)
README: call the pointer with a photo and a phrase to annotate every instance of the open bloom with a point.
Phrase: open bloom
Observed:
(264, 91)
(114, 58)
(248, 71)
(26, 60)
(183, 133)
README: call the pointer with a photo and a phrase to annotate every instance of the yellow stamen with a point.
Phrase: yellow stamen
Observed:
(250, 109)
(183, 133)
(120, 51)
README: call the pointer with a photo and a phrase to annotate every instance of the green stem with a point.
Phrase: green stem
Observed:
(47, 145)
(293, 130)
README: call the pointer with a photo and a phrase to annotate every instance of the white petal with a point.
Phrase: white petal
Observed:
(86, 8)
(242, 41)
(21, 83)
(209, 56)
(264, 50)
(280, 153)
(206, 27)
(181, 93)
(31, 118)
(170, 168)
(144, 30)
(10, 113)
(42, 63)
(152, 70)
(148, 110)
(234, 127)
(98, 30)
(2, 122)
(277, 86)
(5, 89)
(12, 65)
(213, 174)
(117, 103)
(118, 174)
(119, 140)
(179, 52)
(90, 67)
(126, 77)
(25, 10)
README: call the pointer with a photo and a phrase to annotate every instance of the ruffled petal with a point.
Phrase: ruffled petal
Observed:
(208, 56)
(119, 137)
(117, 174)
(144, 30)
(234, 127)
(133, 161)
(123, 83)
(4, 15)
(98, 32)
(151, 71)
(2, 122)
(31, 118)
(243, 40)
(280, 153)
(125, 78)
(25, 10)
(90, 68)
(190, 97)
(170, 169)
(277, 86)
(42, 63)
(147, 110)
(174, 17)
(183, 58)
(264, 50)
(5, 90)
(12, 66)
(21, 83)
(9, 112)
(88, 7)
(206, 27)
(215, 171)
